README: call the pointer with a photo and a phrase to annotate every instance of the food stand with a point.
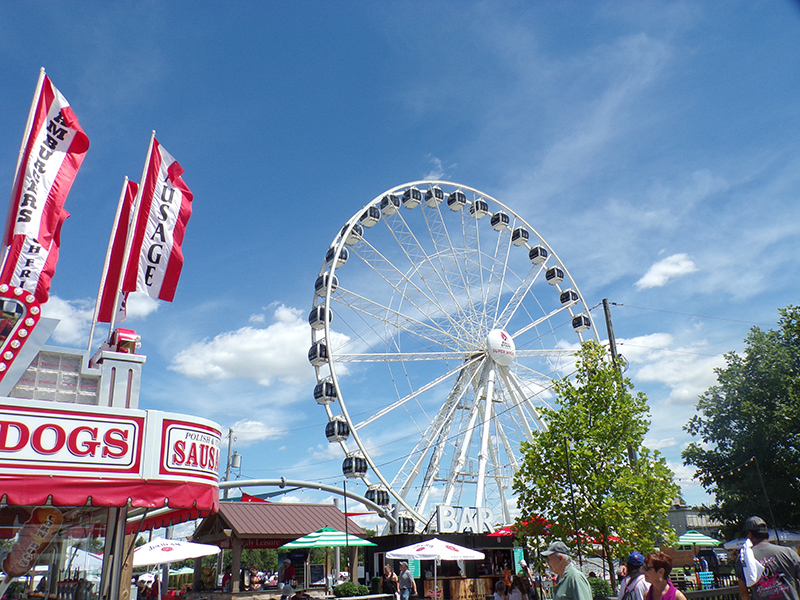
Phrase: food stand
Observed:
(456, 580)
(70, 471)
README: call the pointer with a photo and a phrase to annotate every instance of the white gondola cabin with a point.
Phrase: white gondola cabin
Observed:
(405, 524)
(554, 275)
(568, 296)
(479, 208)
(318, 354)
(337, 430)
(355, 235)
(390, 204)
(321, 284)
(371, 216)
(378, 495)
(330, 256)
(520, 236)
(538, 254)
(581, 323)
(412, 197)
(325, 392)
(319, 316)
(500, 220)
(434, 196)
(354, 466)
(457, 200)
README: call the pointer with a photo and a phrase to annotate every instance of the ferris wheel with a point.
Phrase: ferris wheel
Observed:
(440, 319)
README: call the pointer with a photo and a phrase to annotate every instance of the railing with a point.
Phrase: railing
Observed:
(726, 593)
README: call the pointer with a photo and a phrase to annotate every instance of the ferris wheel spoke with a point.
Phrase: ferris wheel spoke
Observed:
(385, 411)
(399, 357)
(500, 479)
(541, 320)
(520, 293)
(397, 319)
(517, 403)
(394, 277)
(434, 437)
(426, 267)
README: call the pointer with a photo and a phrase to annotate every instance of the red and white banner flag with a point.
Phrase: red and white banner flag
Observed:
(30, 265)
(52, 154)
(111, 302)
(164, 209)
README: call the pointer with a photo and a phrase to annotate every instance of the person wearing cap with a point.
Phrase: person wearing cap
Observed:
(634, 586)
(571, 583)
(286, 576)
(406, 582)
(777, 574)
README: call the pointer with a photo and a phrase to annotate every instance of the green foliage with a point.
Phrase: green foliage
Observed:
(363, 590)
(601, 589)
(752, 411)
(346, 590)
(376, 585)
(598, 420)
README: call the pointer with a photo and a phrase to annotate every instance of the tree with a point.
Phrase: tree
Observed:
(598, 421)
(748, 426)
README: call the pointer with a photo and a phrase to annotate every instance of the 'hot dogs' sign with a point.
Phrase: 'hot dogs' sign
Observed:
(70, 441)
(43, 437)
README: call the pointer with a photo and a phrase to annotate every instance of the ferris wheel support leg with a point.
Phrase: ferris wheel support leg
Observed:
(484, 455)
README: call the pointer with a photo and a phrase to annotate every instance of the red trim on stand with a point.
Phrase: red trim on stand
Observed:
(173, 517)
(77, 491)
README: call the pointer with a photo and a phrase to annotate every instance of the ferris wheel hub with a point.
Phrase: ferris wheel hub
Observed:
(501, 348)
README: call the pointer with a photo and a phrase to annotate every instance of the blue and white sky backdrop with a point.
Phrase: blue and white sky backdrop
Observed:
(653, 144)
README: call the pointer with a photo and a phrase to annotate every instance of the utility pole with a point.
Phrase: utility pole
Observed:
(228, 467)
(612, 345)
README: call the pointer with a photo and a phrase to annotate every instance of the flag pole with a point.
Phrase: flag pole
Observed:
(132, 228)
(104, 276)
(28, 127)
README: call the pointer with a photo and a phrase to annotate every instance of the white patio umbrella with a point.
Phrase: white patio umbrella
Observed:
(161, 552)
(436, 550)
(786, 538)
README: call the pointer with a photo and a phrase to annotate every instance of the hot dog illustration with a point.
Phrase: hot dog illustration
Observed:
(34, 538)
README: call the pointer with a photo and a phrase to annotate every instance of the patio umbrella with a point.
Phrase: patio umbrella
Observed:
(161, 552)
(695, 538)
(436, 550)
(327, 537)
(787, 538)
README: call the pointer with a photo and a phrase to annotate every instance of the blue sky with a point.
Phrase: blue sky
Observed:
(654, 145)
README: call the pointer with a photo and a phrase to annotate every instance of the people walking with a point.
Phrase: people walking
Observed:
(406, 582)
(571, 583)
(766, 571)
(634, 586)
(657, 567)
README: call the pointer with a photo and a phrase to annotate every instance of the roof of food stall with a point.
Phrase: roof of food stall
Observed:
(274, 520)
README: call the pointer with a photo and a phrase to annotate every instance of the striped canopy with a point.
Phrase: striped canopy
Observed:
(695, 538)
(327, 537)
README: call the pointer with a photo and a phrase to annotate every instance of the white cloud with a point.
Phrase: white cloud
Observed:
(140, 305)
(257, 318)
(75, 317)
(248, 431)
(686, 371)
(278, 352)
(661, 272)
(660, 444)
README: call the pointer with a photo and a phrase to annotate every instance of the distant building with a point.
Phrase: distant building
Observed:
(684, 518)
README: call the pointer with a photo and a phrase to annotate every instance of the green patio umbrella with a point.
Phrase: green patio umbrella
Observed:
(695, 538)
(327, 537)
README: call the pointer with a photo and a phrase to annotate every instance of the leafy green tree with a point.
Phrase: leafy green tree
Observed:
(598, 421)
(748, 429)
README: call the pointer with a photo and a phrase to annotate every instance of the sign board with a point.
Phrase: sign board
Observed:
(464, 519)
(519, 555)
(52, 448)
(413, 566)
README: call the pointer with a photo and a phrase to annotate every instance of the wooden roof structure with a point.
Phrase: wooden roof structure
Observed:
(269, 524)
